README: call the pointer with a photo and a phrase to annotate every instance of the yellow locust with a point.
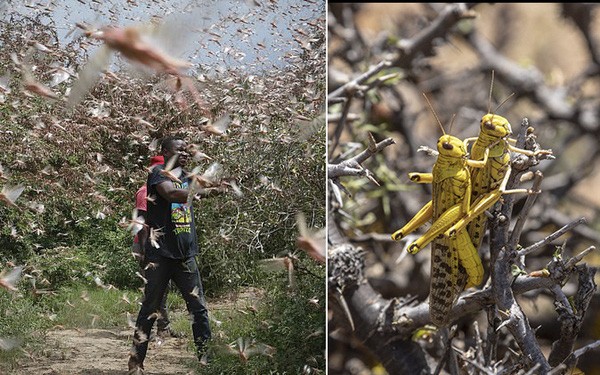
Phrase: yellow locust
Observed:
(489, 182)
(488, 171)
(455, 262)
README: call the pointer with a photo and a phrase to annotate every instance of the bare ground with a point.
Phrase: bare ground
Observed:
(106, 351)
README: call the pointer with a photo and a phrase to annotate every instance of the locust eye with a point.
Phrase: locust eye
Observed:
(488, 124)
(447, 146)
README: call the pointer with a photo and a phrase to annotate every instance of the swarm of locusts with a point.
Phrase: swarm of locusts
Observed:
(464, 185)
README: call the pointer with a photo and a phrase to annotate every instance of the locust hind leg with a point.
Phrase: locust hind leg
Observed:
(438, 227)
(422, 217)
(469, 259)
(483, 203)
(476, 230)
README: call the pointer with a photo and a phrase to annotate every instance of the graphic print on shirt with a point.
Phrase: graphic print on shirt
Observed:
(181, 215)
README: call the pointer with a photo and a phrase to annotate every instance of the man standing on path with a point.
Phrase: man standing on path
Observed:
(172, 249)
(163, 328)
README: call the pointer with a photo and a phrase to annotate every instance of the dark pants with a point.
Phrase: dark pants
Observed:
(186, 277)
(162, 322)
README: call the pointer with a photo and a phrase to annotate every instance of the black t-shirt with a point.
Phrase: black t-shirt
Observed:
(176, 221)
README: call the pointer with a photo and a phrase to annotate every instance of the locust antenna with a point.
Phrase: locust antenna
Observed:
(434, 114)
(452, 122)
(504, 101)
(490, 94)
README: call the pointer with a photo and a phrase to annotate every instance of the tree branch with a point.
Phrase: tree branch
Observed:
(422, 43)
(551, 237)
(503, 256)
(349, 89)
(571, 317)
(352, 166)
(516, 232)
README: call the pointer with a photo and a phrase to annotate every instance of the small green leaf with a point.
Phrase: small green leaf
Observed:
(557, 253)
(517, 271)
(424, 333)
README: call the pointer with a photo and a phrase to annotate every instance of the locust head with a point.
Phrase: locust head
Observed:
(451, 146)
(495, 126)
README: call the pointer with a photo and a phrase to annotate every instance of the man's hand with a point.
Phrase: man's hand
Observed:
(213, 191)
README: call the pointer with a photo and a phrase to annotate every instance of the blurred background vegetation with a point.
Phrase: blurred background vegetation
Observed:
(548, 55)
(81, 169)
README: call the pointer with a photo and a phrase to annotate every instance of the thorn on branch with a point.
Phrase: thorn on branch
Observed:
(353, 166)
(372, 147)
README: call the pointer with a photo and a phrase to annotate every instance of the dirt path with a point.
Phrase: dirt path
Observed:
(103, 351)
(106, 351)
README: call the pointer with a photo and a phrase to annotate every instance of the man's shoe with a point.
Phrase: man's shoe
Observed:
(205, 357)
(204, 353)
(135, 367)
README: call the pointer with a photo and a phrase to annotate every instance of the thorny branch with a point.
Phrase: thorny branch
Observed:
(503, 257)
(353, 166)
(356, 85)
(531, 248)
(422, 43)
(579, 352)
(516, 232)
(571, 317)
(349, 90)
(398, 319)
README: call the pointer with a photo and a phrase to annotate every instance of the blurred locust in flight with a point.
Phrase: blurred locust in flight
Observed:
(10, 194)
(9, 279)
(136, 45)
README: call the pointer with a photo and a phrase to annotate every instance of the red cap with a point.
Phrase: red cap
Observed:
(158, 159)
